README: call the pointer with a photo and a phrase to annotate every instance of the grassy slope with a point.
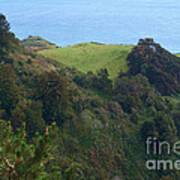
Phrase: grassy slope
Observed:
(91, 57)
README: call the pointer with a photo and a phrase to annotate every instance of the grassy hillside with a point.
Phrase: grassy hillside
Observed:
(92, 57)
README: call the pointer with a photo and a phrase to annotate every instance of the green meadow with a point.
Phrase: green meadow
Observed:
(92, 57)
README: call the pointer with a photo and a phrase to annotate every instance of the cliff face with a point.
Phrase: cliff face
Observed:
(160, 67)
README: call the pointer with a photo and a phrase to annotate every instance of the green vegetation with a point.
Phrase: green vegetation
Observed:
(158, 65)
(92, 57)
(19, 160)
(37, 43)
(59, 123)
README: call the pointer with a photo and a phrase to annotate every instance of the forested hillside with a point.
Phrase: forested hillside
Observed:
(59, 123)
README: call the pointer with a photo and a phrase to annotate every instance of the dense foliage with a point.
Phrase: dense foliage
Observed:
(59, 123)
(8, 42)
(157, 64)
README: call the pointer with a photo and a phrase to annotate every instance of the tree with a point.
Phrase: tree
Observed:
(8, 42)
(4, 30)
(52, 91)
(176, 118)
(133, 92)
(4, 25)
(160, 67)
(20, 160)
(29, 112)
(148, 130)
(74, 172)
(103, 82)
(165, 127)
(9, 91)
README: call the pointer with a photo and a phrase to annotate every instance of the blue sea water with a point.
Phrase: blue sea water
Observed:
(66, 22)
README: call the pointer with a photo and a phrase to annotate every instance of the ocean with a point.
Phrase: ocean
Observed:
(67, 22)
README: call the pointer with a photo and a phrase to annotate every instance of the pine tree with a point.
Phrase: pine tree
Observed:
(8, 42)
(20, 160)
(4, 32)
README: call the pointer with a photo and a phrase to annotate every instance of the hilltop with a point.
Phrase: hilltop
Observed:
(160, 66)
(36, 43)
(92, 57)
